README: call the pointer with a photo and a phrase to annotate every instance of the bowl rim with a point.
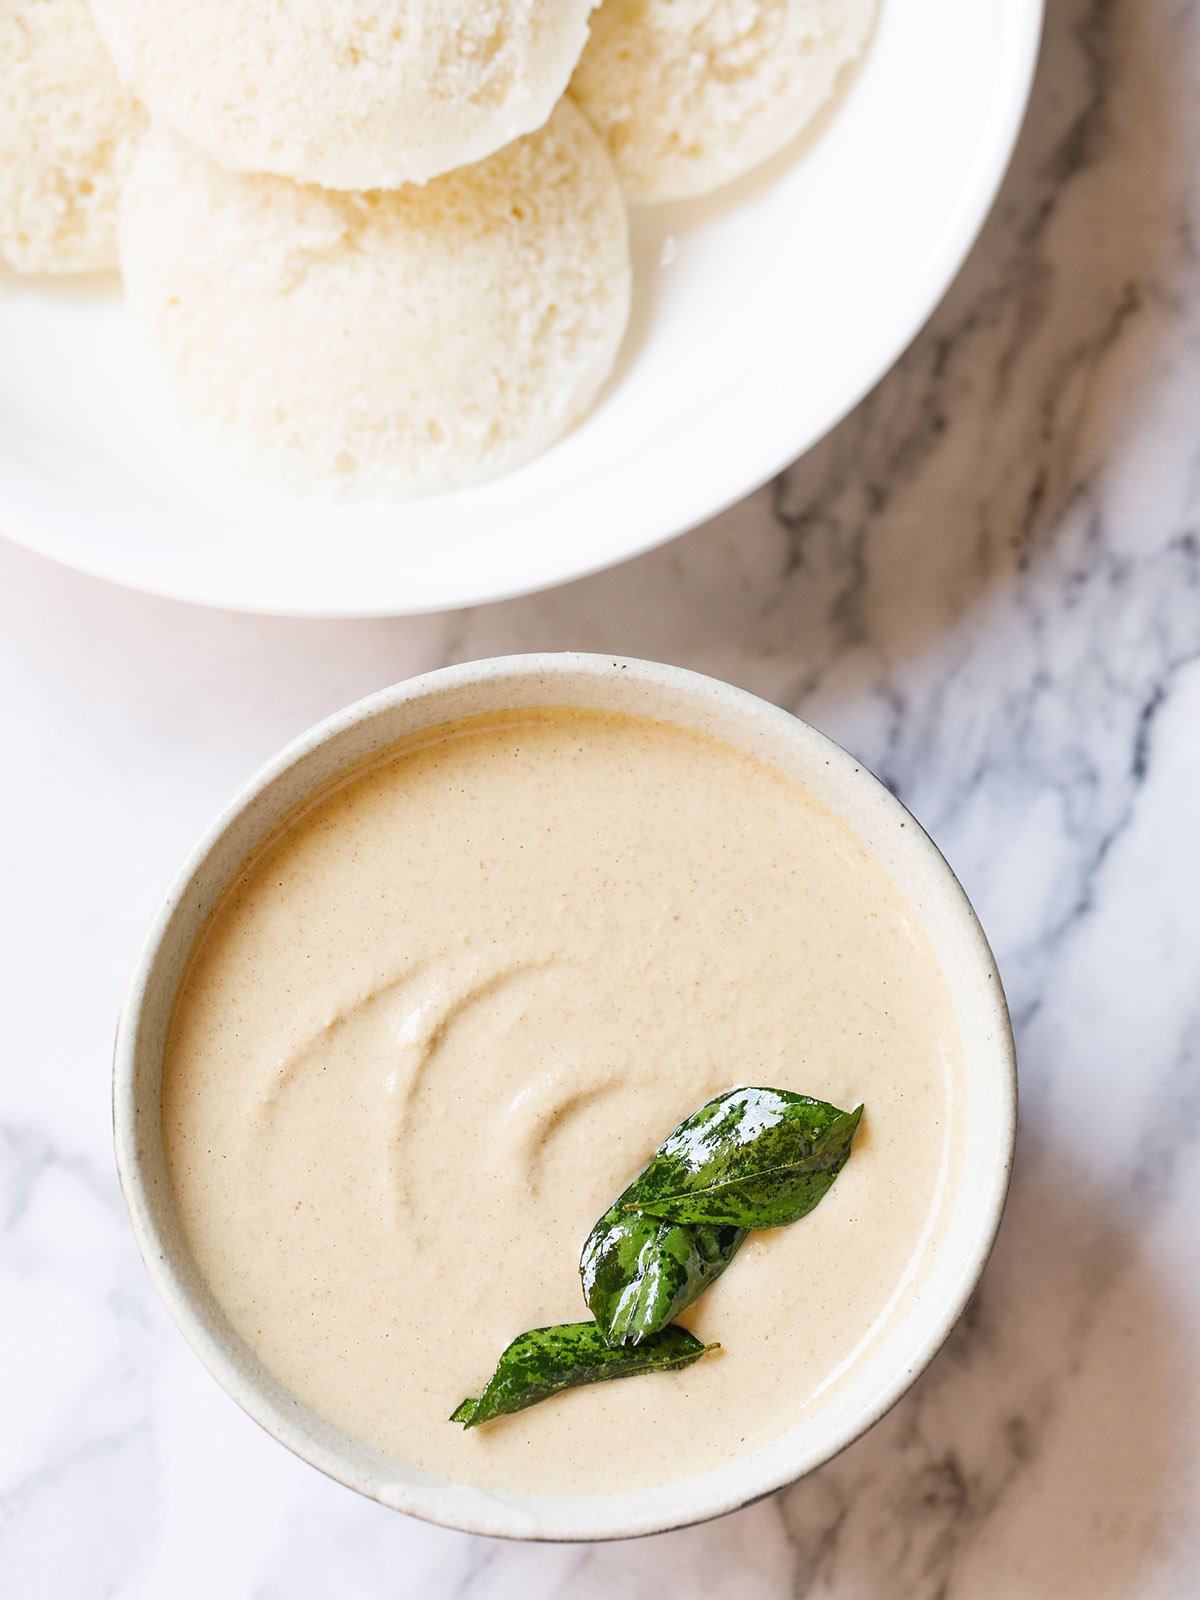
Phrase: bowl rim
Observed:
(444, 1504)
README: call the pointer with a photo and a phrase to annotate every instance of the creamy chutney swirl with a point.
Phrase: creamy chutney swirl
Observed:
(446, 1015)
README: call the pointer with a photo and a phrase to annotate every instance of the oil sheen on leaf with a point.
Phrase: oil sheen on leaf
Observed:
(751, 1158)
(639, 1272)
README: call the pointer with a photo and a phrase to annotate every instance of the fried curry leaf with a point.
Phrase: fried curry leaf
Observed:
(751, 1158)
(546, 1361)
(639, 1272)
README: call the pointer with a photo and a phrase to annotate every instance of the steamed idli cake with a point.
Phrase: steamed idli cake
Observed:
(384, 343)
(352, 94)
(689, 94)
(67, 132)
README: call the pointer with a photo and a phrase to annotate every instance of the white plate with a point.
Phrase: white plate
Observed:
(761, 317)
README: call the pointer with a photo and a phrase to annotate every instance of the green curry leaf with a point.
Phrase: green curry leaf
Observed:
(639, 1272)
(751, 1158)
(547, 1361)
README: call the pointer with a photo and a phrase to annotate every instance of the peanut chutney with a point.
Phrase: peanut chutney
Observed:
(446, 1014)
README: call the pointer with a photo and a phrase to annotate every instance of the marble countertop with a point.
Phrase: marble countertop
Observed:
(986, 583)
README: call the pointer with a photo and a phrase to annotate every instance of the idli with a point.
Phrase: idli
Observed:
(351, 94)
(689, 94)
(67, 132)
(388, 344)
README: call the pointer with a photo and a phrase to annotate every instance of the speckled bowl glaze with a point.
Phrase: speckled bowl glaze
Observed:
(915, 1330)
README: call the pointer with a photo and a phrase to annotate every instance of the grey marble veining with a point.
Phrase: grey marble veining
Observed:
(986, 583)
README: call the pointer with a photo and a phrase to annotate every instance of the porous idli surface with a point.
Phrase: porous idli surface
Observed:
(690, 94)
(389, 343)
(67, 135)
(352, 94)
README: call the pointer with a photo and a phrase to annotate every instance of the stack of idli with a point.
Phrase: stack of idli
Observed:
(374, 245)
(377, 251)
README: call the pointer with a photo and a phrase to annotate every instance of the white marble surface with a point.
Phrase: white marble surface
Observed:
(987, 584)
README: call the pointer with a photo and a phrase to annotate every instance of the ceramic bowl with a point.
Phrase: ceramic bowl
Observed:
(972, 1209)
